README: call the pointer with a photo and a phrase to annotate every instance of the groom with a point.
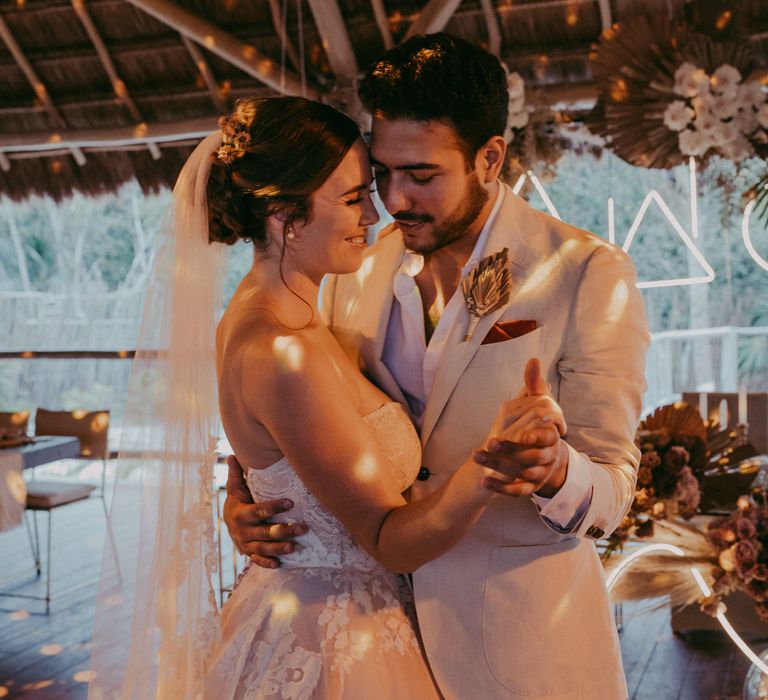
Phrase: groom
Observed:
(518, 607)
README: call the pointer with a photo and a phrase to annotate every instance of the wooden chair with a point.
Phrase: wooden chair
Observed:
(90, 427)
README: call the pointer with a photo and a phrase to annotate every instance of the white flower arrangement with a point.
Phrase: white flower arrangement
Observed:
(718, 111)
(517, 112)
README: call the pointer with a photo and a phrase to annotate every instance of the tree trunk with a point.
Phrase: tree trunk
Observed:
(18, 246)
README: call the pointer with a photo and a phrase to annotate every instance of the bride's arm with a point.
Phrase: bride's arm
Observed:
(307, 409)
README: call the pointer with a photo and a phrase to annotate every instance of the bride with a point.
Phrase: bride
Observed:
(306, 425)
(293, 177)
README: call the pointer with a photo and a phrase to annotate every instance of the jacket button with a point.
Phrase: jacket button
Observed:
(423, 474)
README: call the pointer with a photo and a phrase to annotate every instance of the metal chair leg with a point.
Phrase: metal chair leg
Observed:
(37, 539)
(33, 544)
(48, 567)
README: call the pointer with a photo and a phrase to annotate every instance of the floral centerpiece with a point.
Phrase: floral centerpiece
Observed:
(740, 543)
(672, 443)
(730, 554)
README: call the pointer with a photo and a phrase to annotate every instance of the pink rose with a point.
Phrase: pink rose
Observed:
(745, 558)
(745, 528)
(688, 493)
(760, 572)
(675, 458)
(650, 460)
(745, 550)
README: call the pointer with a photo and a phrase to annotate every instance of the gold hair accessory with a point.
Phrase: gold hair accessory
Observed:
(486, 288)
(235, 139)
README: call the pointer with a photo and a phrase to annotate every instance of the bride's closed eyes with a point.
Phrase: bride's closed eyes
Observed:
(360, 198)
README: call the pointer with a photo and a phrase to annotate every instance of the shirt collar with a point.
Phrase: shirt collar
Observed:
(482, 239)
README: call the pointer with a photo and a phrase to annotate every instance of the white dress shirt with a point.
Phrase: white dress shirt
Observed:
(413, 363)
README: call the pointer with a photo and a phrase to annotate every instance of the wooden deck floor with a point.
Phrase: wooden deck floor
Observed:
(48, 656)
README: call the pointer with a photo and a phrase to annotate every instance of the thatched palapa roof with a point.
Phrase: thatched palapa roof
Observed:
(96, 92)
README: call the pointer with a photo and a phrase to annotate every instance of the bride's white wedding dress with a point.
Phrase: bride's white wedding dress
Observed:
(331, 622)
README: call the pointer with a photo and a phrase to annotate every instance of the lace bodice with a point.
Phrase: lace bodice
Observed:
(328, 543)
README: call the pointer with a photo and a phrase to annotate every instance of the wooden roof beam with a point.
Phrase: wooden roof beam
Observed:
(244, 56)
(109, 148)
(108, 100)
(116, 136)
(433, 18)
(492, 23)
(335, 38)
(382, 21)
(121, 91)
(207, 74)
(106, 61)
(37, 85)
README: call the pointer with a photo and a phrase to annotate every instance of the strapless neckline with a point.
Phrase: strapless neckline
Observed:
(368, 417)
(381, 409)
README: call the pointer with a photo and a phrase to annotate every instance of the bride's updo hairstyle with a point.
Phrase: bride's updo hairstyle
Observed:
(276, 152)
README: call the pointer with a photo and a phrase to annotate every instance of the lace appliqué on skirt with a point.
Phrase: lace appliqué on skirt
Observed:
(331, 622)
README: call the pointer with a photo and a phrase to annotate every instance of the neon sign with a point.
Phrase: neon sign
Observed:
(653, 197)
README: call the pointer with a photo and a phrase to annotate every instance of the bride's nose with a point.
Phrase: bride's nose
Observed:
(368, 215)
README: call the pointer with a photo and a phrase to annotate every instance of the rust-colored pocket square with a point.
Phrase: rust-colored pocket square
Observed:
(507, 330)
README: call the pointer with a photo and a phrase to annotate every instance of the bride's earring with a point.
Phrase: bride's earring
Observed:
(289, 234)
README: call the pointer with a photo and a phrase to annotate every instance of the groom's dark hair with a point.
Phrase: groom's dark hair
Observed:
(437, 77)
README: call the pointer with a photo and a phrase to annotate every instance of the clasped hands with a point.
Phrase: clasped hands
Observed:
(524, 445)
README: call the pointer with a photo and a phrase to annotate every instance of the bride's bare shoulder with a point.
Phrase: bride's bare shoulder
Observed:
(270, 349)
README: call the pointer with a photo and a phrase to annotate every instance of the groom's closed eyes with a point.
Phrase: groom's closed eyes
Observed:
(428, 171)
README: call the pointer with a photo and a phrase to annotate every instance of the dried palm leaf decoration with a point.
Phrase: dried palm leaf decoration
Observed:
(678, 419)
(486, 288)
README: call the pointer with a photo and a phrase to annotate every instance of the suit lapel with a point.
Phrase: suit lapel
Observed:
(457, 353)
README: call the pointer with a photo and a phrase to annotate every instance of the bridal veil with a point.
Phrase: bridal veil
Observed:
(156, 616)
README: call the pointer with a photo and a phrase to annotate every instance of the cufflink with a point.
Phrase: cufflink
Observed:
(595, 532)
(423, 474)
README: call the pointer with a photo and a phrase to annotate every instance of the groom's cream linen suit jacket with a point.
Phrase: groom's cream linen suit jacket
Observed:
(518, 608)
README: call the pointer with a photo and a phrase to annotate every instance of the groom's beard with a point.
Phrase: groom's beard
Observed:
(455, 224)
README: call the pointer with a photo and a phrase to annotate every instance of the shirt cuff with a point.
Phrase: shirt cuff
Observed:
(565, 510)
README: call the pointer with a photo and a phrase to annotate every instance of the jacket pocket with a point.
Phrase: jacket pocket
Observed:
(547, 627)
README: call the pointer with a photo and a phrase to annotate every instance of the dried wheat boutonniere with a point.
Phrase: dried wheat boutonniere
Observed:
(486, 288)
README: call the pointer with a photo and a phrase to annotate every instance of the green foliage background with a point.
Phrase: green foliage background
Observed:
(92, 247)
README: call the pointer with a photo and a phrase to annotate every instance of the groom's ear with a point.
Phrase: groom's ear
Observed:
(490, 158)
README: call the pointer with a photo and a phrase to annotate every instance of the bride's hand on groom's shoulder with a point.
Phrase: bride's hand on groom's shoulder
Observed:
(524, 445)
(249, 523)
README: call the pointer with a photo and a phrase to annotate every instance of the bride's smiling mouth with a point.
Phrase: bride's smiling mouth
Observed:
(356, 240)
